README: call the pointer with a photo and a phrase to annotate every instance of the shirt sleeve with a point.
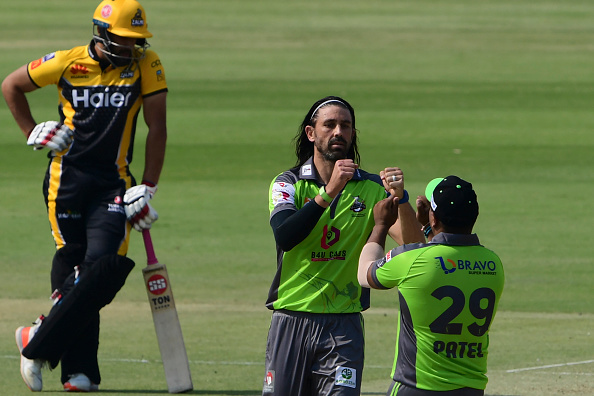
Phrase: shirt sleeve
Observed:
(290, 225)
(47, 69)
(153, 74)
(395, 266)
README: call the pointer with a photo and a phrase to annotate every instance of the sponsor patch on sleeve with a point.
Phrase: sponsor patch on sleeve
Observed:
(39, 61)
(282, 193)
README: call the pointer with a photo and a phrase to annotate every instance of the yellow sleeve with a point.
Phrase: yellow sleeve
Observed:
(153, 74)
(46, 70)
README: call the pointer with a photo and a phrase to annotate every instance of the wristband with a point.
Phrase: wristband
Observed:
(149, 183)
(325, 195)
(404, 198)
(427, 230)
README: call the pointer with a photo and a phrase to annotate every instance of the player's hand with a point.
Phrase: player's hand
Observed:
(138, 210)
(385, 212)
(393, 179)
(423, 206)
(51, 134)
(343, 172)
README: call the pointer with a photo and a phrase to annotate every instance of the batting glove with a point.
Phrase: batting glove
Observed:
(138, 210)
(50, 134)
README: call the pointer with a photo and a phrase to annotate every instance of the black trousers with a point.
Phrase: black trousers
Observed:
(87, 219)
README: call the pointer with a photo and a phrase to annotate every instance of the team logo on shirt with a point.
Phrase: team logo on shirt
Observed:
(358, 205)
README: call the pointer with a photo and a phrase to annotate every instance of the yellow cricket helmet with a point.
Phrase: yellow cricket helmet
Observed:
(125, 18)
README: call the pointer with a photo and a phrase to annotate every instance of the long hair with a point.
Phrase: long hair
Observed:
(304, 149)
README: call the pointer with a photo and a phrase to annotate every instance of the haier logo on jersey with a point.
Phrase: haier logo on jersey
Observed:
(472, 267)
(91, 98)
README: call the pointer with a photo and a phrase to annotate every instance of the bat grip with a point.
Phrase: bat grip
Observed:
(148, 245)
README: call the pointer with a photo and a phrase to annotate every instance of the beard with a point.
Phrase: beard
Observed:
(333, 154)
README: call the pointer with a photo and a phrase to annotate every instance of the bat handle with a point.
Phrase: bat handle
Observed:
(148, 245)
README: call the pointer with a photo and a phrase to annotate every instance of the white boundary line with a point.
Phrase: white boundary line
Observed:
(230, 363)
(549, 366)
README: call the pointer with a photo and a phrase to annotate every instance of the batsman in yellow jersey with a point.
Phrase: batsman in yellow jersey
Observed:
(92, 198)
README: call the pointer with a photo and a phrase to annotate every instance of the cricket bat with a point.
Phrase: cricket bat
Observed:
(167, 326)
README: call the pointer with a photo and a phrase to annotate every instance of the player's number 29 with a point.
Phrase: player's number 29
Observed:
(443, 324)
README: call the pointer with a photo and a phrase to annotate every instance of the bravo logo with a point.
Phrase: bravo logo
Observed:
(472, 267)
(86, 98)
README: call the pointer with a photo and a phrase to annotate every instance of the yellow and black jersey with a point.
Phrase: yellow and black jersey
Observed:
(99, 103)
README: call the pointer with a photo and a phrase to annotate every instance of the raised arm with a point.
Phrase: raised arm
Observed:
(385, 214)
(407, 229)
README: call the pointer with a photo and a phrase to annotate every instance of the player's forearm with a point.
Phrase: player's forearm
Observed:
(14, 88)
(371, 252)
(407, 228)
(154, 155)
(19, 107)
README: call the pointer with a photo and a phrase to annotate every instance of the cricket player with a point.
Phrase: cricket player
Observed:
(448, 290)
(321, 215)
(88, 188)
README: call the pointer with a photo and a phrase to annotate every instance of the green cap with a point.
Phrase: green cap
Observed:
(431, 186)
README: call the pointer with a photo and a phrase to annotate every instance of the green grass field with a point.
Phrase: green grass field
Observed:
(498, 92)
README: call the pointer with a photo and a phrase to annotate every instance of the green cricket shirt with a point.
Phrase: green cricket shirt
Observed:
(319, 275)
(448, 292)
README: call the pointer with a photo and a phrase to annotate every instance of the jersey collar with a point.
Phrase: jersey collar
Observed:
(103, 63)
(308, 171)
(443, 238)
